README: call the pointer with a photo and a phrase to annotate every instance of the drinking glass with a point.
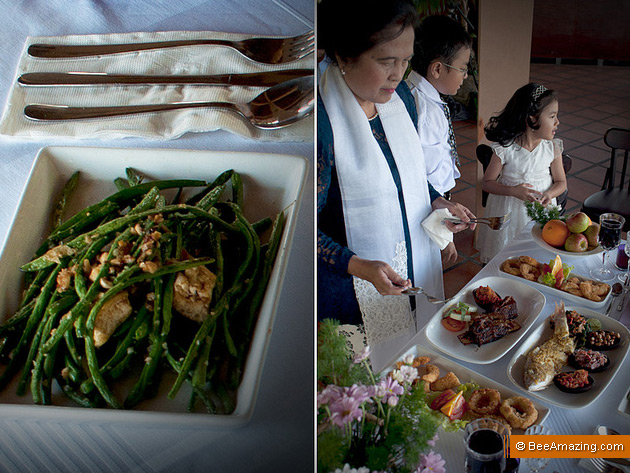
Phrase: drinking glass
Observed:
(622, 276)
(609, 237)
(483, 439)
(537, 464)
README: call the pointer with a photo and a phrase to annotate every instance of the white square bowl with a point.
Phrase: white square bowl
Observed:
(271, 183)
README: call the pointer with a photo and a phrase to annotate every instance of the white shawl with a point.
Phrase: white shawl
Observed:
(372, 211)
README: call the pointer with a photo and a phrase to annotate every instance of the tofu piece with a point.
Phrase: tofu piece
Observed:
(192, 292)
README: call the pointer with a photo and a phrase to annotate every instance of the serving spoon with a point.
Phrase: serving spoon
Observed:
(278, 106)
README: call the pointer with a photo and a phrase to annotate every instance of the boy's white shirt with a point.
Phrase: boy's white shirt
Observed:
(433, 131)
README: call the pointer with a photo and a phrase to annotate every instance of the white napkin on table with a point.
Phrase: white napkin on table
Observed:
(436, 229)
(186, 60)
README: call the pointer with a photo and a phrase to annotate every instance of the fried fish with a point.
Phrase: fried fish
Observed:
(545, 361)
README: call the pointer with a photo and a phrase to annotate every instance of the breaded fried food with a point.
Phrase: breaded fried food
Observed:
(429, 373)
(420, 360)
(448, 381)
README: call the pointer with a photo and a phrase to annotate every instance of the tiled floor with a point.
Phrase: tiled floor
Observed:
(591, 100)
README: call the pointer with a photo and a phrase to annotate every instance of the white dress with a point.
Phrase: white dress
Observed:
(519, 166)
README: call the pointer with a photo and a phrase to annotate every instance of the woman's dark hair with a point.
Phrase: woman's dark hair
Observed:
(438, 38)
(522, 111)
(348, 28)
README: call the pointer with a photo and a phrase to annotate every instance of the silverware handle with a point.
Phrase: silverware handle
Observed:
(67, 50)
(58, 112)
(620, 306)
(262, 79)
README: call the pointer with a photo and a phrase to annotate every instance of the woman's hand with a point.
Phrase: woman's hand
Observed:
(456, 210)
(449, 254)
(386, 281)
(526, 193)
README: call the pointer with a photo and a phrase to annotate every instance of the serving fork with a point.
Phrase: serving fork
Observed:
(264, 50)
(278, 106)
(605, 467)
(495, 223)
(412, 291)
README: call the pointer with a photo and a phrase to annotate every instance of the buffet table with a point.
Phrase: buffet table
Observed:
(280, 434)
(603, 411)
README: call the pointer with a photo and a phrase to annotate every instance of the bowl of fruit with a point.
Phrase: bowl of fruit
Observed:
(575, 235)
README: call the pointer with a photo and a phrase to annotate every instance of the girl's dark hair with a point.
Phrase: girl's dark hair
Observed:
(522, 111)
(438, 38)
(348, 28)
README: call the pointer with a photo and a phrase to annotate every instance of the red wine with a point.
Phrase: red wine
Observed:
(487, 452)
(609, 234)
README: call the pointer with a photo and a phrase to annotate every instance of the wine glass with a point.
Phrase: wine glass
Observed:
(610, 225)
(626, 249)
(537, 464)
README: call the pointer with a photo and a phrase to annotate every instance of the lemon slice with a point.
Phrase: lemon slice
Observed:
(447, 409)
(557, 265)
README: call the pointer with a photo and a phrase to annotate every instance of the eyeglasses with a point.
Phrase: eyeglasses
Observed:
(463, 71)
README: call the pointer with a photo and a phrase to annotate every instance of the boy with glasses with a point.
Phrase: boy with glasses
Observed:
(440, 65)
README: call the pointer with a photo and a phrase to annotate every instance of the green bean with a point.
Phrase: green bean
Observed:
(33, 322)
(121, 183)
(35, 356)
(262, 225)
(67, 190)
(133, 177)
(221, 179)
(18, 318)
(237, 189)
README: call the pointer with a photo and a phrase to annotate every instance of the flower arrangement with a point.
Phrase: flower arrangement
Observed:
(541, 214)
(368, 424)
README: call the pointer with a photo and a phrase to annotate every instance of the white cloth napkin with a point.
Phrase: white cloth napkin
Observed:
(187, 60)
(436, 229)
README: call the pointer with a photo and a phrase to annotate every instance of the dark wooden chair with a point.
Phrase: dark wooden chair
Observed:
(484, 154)
(613, 198)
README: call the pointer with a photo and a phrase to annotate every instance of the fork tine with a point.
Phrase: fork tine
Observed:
(307, 43)
(300, 54)
(309, 35)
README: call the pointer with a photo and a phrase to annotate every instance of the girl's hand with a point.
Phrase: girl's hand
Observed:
(457, 210)
(449, 254)
(544, 199)
(526, 193)
(386, 281)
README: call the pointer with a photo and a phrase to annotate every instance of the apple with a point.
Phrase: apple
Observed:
(591, 234)
(577, 222)
(576, 242)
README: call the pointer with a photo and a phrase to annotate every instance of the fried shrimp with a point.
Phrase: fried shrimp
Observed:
(485, 401)
(511, 266)
(529, 271)
(429, 373)
(420, 360)
(448, 381)
(519, 412)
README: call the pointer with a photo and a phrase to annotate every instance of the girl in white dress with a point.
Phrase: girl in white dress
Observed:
(526, 165)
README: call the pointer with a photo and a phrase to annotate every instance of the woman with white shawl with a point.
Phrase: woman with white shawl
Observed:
(372, 188)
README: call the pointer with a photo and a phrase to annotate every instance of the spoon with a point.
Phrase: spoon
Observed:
(278, 106)
(617, 289)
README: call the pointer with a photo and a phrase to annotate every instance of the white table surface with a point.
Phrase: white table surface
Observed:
(561, 421)
(280, 435)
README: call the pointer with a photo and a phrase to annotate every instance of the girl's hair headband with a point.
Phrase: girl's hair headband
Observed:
(538, 91)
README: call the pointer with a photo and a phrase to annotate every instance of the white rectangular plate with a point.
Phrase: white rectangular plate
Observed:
(529, 303)
(557, 293)
(271, 183)
(624, 405)
(466, 375)
(553, 395)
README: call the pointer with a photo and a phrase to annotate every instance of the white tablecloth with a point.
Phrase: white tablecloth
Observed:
(280, 435)
(561, 421)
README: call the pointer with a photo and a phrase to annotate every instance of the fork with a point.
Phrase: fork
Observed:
(604, 467)
(495, 223)
(264, 50)
(412, 291)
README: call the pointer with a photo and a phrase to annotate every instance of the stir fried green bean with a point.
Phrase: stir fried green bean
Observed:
(140, 285)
